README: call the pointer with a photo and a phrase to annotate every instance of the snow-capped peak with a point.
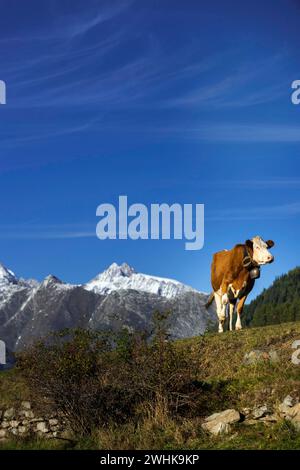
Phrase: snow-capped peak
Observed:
(125, 277)
(53, 281)
(7, 276)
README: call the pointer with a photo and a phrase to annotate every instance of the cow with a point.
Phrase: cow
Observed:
(233, 274)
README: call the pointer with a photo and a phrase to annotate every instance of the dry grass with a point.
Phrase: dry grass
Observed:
(219, 359)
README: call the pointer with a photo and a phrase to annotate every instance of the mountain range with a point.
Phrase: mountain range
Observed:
(119, 297)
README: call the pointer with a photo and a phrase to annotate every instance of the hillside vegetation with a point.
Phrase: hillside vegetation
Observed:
(277, 304)
(156, 396)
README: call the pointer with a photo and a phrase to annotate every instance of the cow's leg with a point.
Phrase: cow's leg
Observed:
(221, 311)
(239, 311)
(231, 310)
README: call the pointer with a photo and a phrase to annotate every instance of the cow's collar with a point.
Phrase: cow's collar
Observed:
(251, 265)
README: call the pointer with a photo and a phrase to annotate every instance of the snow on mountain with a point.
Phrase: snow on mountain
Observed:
(124, 277)
(6, 276)
(10, 283)
(117, 298)
(55, 282)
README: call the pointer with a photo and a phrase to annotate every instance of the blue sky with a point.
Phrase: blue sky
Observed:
(164, 101)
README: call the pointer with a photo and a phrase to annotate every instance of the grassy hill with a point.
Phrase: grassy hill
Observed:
(277, 304)
(225, 381)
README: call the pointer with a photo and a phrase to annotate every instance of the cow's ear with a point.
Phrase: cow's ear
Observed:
(249, 244)
(270, 243)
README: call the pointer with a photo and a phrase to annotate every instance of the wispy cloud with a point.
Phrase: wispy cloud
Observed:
(254, 132)
(272, 212)
(47, 232)
(240, 87)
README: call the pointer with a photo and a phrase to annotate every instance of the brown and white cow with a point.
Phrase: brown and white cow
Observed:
(233, 274)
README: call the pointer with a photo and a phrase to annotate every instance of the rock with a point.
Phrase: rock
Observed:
(289, 411)
(26, 405)
(289, 401)
(42, 427)
(213, 423)
(53, 422)
(260, 412)
(272, 418)
(10, 413)
(3, 433)
(246, 411)
(55, 428)
(283, 409)
(22, 429)
(5, 424)
(14, 423)
(220, 428)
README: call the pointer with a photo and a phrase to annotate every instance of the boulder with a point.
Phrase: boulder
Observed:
(220, 428)
(219, 423)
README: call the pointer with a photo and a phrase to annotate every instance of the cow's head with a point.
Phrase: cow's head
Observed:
(261, 254)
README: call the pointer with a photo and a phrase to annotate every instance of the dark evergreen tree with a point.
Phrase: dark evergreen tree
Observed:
(277, 304)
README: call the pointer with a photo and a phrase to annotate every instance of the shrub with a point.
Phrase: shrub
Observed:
(97, 378)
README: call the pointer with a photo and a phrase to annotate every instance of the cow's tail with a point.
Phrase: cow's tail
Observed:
(210, 300)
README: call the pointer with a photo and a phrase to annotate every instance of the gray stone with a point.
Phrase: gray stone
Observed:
(26, 405)
(246, 411)
(213, 422)
(5, 424)
(289, 401)
(9, 413)
(14, 423)
(269, 419)
(42, 427)
(3, 433)
(220, 428)
(53, 422)
(260, 412)
(22, 429)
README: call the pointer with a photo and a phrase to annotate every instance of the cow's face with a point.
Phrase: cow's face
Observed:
(261, 254)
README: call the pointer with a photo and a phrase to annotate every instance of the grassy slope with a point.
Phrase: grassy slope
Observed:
(236, 385)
